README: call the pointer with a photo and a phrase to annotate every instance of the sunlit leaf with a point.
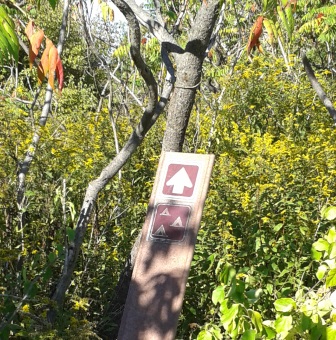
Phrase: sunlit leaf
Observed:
(35, 44)
(329, 213)
(283, 324)
(29, 30)
(218, 295)
(43, 66)
(284, 304)
(255, 34)
(331, 278)
(321, 245)
(9, 44)
(322, 269)
(53, 57)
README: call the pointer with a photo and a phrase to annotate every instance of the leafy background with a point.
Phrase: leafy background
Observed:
(264, 261)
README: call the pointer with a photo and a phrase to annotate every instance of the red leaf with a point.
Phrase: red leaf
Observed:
(29, 30)
(35, 44)
(59, 73)
(43, 66)
(255, 34)
(53, 56)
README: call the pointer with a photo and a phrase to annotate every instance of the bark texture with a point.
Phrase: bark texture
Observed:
(188, 76)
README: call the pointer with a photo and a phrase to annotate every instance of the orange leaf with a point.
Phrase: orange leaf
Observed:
(29, 30)
(35, 44)
(59, 73)
(255, 34)
(43, 66)
(319, 18)
(53, 56)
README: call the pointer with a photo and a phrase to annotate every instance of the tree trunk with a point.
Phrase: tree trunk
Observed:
(188, 77)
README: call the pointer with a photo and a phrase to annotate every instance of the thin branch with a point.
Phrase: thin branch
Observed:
(127, 88)
(318, 88)
(157, 6)
(218, 27)
(180, 16)
(152, 25)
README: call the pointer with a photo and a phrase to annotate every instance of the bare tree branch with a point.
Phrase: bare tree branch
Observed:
(150, 115)
(153, 26)
(318, 88)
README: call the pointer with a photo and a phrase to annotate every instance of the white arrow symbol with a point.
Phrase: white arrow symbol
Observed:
(179, 181)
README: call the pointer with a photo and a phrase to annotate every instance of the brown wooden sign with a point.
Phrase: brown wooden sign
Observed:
(169, 235)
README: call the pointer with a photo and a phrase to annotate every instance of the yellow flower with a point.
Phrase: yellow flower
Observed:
(25, 308)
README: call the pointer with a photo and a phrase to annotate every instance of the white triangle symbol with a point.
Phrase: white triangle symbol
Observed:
(165, 212)
(177, 223)
(161, 232)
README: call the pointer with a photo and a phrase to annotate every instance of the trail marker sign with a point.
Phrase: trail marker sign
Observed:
(166, 248)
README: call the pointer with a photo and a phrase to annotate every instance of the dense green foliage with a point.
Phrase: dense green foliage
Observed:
(264, 264)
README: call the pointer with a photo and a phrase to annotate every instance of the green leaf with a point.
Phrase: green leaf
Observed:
(283, 324)
(218, 295)
(329, 213)
(9, 44)
(306, 322)
(227, 274)
(322, 269)
(331, 236)
(253, 295)
(204, 335)
(331, 278)
(249, 335)
(321, 245)
(316, 255)
(171, 15)
(53, 3)
(52, 257)
(228, 314)
(332, 250)
(284, 305)
(277, 227)
(268, 331)
(71, 234)
(331, 332)
(47, 275)
(256, 320)
(237, 290)
(216, 332)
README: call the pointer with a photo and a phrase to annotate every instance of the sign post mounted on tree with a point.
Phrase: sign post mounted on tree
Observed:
(169, 235)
